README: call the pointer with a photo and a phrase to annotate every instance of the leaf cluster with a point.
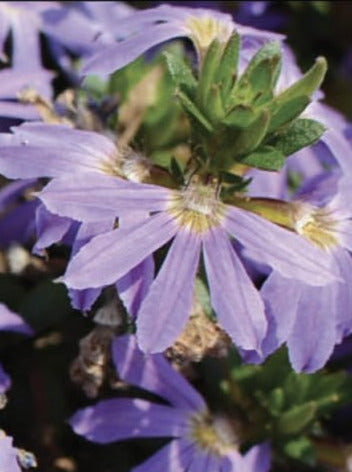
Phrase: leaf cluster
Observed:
(240, 118)
(286, 406)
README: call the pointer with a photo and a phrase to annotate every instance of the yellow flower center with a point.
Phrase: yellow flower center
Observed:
(204, 30)
(316, 224)
(197, 207)
(214, 434)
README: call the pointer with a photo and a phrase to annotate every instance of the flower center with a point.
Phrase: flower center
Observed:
(204, 30)
(316, 224)
(214, 434)
(197, 207)
(128, 164)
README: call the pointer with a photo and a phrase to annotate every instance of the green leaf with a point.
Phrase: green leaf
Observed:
(266, 158)
(296, 419)
(258, 80)
(209, 67)
(296, 387)
(284, 112)
(229, 178)
(202, 294)
(194, 111)
(227, 70)
(180, 72)
(276, 401)
(302, 133)
(240, 116)
(214, 107)
(301, 449)
(310, 82)
(250, 137)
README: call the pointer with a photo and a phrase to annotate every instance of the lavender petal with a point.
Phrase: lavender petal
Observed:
(167, 306)
(236, 301)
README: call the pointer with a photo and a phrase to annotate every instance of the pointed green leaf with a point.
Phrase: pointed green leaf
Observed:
(202, 294)
(250, 137)
(258, 80)
(296, 419)
(207, 73)
(276, 401)
(284, 112)
(240, 116)
(302, 133)
(301, 449)
(180, 72)
(227, 70)
(214, 108)
(194, 111)
(310, 82)
(266, 158)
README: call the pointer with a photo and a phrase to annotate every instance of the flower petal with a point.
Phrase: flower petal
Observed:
(55, 150)
(344, 297)
(50, 228)
(236, 301)
(206, 462)
(118, 55)
(5, 382)
(95, 196)
(125, 418)
(154, 373)
(288, 253)
(276, 291)
(313, 336)
(10, 321)
(174, 457)
(109, 256)
(258, 458)
(167, 306)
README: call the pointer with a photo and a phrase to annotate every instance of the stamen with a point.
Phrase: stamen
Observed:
(204, 30)
(316, 224)
(213, 433)
(197, 207)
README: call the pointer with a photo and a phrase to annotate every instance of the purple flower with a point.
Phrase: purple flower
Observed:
(150, 27)
(315, 319)
(200, 441)
(42, 150)
(197, 220)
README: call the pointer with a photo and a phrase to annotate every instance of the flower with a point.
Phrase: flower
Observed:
(197, 220)
(200, 441)
(316, 319)
(43, 150)
(150, 27)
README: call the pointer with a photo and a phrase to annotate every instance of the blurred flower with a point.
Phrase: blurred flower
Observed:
(200, 441)
(8, 455)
